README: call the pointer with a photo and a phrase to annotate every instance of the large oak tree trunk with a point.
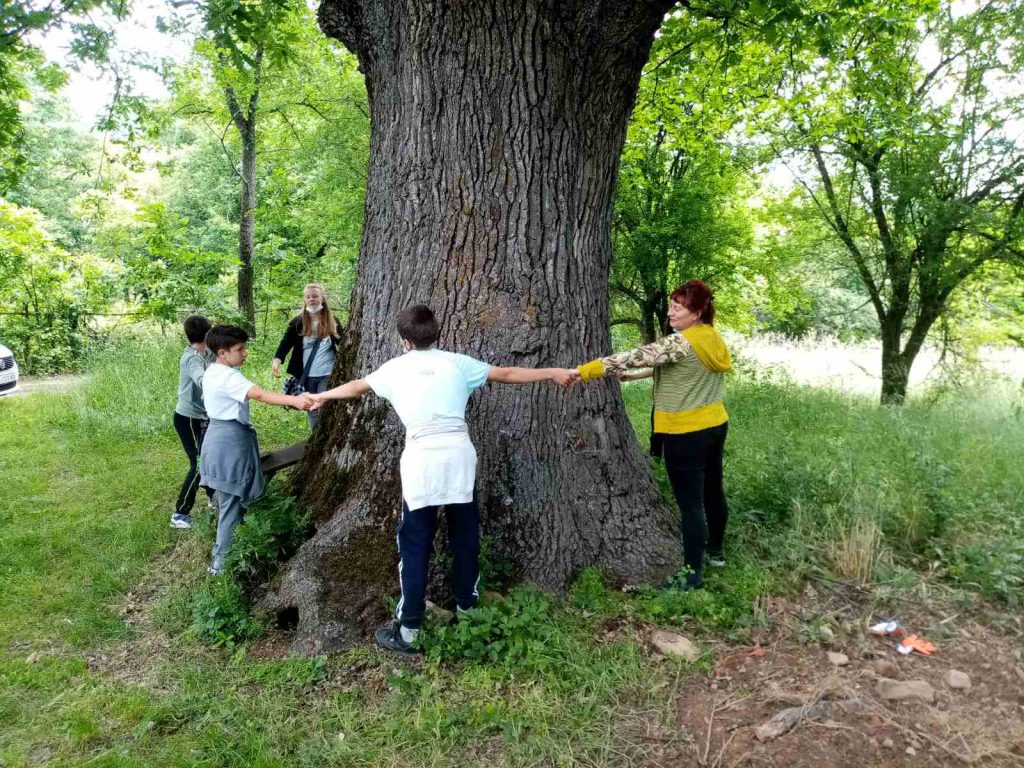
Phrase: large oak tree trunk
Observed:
(496, 133)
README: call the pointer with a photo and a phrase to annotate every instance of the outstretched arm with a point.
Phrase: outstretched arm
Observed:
(563, 377)
(641, 373)
(347, 391)
(302, 402)
(665, 350)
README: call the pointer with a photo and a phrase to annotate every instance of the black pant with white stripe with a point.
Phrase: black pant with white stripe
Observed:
(191, 432)
(415, 545)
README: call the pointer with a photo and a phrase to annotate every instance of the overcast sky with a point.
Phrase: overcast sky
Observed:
(90, 89)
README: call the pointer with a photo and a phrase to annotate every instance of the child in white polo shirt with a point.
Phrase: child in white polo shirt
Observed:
(230, 462)
(429, 389)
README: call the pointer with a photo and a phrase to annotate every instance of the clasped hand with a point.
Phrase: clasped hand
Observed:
(565, 377)
(307, 402)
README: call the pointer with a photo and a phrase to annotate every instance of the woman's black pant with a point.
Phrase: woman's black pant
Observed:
(191, 433)
(694, 464)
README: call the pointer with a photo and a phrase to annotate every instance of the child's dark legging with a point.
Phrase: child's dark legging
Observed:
(191, 432)
(694, 465)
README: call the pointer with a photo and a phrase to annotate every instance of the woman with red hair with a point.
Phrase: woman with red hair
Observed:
(689, 420)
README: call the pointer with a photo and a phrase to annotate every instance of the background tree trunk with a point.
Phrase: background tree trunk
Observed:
(496, 134)
(655, 312)
(245, 121)
(895, 367)
(247, 226)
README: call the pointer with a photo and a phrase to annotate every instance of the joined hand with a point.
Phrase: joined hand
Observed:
(565, 377)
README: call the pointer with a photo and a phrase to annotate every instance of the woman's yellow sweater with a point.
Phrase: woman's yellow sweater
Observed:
(689, 377)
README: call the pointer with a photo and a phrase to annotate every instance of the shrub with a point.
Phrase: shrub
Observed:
(220, 615)
(272, 531)
(516, 630)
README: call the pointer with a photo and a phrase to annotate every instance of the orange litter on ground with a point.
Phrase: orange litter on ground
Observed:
(913, 643)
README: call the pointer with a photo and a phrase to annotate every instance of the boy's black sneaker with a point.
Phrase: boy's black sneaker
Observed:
(390, 639)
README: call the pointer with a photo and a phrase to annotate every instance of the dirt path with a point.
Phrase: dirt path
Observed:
(61, 383)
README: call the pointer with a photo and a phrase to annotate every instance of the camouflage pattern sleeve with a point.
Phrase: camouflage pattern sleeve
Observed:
(667, 349)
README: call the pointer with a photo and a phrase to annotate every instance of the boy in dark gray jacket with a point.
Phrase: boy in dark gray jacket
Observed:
(190, 419)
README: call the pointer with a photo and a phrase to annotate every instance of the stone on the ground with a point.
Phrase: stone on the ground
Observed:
(900, 690)
(888, 743)
(911, 751)
(958, 680)
(671, 644)
(439, 613)
(838, 659)
(788, 718)
(885, 668)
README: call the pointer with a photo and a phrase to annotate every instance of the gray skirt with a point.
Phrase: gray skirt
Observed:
(230, 460)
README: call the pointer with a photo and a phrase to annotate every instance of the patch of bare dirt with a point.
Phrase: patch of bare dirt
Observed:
(783, 702)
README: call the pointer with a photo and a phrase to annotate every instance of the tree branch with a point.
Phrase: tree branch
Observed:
(627, 292)
(842, 228)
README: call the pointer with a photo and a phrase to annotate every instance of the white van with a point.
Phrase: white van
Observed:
(8, 372)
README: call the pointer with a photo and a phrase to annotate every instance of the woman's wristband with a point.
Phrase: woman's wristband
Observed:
(592, 370)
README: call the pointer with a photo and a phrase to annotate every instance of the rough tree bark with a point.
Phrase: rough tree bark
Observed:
(496, 133)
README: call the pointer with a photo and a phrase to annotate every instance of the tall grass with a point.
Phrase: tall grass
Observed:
(816, 477)
(133, 384)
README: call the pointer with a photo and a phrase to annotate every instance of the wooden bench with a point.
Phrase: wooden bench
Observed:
(274, 461)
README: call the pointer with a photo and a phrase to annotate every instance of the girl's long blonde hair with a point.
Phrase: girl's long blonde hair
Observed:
(326, 325)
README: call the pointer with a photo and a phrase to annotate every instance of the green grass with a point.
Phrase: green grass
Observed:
(90, 476)
(941, 479)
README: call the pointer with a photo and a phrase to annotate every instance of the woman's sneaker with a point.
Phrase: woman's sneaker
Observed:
(717, 559)
(181, 521)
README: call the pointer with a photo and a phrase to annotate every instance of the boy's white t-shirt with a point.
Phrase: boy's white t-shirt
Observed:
(424, 385)
(224, 390)
(429, 390)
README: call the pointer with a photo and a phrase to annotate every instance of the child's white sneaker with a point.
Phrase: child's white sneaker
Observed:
(181, 521)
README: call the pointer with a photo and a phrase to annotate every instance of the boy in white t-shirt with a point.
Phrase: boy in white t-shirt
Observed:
(429, 389)
(230, 461)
